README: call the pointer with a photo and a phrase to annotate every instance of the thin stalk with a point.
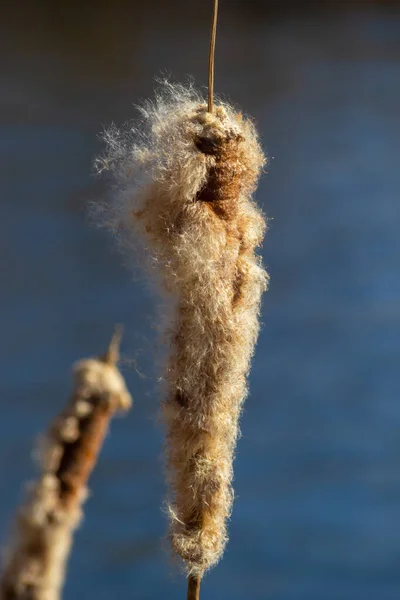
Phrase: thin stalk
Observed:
(211, 59)
(194, 582)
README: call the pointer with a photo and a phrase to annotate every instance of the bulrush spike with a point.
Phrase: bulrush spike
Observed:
(36, 559)
(184, 208)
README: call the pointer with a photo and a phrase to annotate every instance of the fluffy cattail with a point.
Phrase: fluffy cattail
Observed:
(183, 189)
(35, 563)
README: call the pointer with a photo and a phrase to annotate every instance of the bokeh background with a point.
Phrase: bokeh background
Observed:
(317, 514)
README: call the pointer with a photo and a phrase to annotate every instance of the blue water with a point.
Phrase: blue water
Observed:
(317, 511)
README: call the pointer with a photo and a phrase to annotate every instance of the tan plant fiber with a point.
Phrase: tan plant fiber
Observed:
(35, 562)
(183, 184)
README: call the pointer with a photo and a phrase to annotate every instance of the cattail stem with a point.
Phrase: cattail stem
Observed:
(211, 59)
(193, 587)
(35, 566)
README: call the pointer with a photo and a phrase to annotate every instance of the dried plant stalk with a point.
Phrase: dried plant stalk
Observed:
(184, 182)
(36, 560)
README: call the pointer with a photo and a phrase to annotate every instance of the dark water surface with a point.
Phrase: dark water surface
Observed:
(317, 514)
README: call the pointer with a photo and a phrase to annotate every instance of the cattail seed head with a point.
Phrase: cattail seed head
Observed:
(183, 183)
(35, 562)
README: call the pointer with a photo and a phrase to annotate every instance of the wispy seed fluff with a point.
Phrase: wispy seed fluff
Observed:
(183, 191)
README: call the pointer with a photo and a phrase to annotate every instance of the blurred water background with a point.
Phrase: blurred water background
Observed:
(317, 514)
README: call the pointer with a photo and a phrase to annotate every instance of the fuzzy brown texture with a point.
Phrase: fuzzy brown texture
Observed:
(183, 198)
(35, 562)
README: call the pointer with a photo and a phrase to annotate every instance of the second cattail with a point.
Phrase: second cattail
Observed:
(184, 189)
(35, 561)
